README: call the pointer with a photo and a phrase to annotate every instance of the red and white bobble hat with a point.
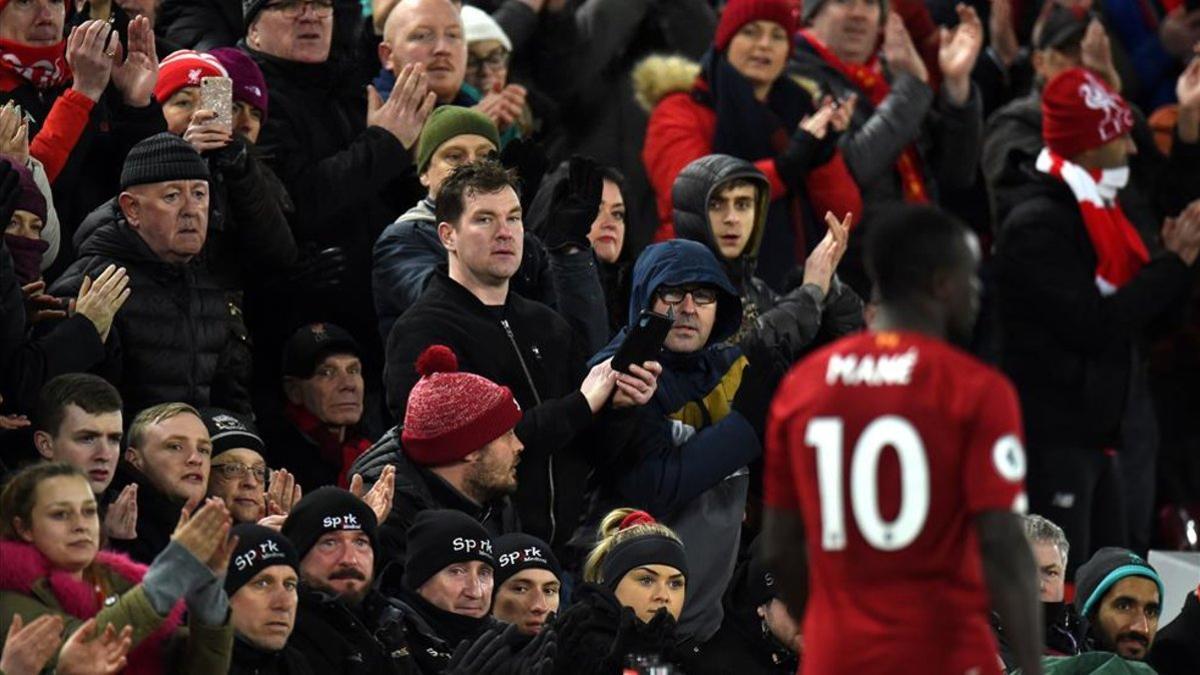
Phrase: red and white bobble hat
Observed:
(184, 68)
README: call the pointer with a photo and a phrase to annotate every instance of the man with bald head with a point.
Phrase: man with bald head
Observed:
(430, 33)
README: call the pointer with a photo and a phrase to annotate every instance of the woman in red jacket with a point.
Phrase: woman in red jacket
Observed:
(738, 102)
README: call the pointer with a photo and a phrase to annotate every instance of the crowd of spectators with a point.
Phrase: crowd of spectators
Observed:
(320, 377)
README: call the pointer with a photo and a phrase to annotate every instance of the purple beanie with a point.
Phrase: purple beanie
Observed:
(30, 197)
(248, 84)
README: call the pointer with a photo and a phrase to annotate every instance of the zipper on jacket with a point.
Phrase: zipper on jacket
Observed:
(537, 401)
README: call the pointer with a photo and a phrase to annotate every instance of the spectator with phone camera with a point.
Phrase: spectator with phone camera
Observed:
(249, 238)
(702, 426)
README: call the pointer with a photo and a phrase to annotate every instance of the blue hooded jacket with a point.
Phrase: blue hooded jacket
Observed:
(690, 470)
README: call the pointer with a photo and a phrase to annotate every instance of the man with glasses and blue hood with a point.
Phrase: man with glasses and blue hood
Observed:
(710, 408)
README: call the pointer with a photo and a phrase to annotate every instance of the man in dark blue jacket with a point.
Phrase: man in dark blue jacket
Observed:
(709, 408)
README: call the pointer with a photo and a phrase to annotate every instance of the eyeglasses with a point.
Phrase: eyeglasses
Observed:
(236, 470)
(294, 8)
(701, 295)
(496, 59)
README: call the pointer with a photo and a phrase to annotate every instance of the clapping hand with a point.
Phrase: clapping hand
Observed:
(28, 648)
(379, 497)
(121, 520)
(824, 259)
(407, 107)
(100, 300)
(135, 74)
(88, 654)
(957, 51)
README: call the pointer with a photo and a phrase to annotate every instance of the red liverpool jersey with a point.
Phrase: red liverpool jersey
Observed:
(888, 444)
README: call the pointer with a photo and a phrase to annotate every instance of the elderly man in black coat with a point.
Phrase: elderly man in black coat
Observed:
(176, 339)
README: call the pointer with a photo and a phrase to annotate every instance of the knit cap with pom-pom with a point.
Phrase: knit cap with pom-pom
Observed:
(451, 414)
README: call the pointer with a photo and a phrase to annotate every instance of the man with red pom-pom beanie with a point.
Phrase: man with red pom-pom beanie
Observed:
(458, 451)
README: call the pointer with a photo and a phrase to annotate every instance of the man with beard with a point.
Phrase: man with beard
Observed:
(343, 625)
(458, 450)
(1119, 595)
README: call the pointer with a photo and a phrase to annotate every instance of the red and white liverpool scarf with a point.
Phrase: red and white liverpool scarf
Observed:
(1120, 251)
(43, 67)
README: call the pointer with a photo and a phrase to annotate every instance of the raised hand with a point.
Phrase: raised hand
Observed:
(1187, 87)
(1181, 235)
(86, 654)
(283, 493)
(844, 113)
(100, 300)
(824, 259)
(407, 107)
(957, 51)
(39, 306)
(379, 497)
(204, 135)
(135, 74)
(28, 648)
(818, 123)
(121, 520)
(91, 65)
(599, 384)
(898, 49)
(14, 133)
(205, 531)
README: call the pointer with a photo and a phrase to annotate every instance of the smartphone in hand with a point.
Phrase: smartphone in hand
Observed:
(216, 94)
(644, 340)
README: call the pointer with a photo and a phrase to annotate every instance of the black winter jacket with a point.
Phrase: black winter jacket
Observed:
(347, 181)
(418, 489)
(27, 362)
(788, 323)
(529, 348)
(179, 338)
(1176, 649)
(370, 639)
(249, 660)
(743, 645)
(1067, 348)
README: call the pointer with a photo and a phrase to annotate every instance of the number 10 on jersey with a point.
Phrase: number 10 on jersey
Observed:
(826, 434)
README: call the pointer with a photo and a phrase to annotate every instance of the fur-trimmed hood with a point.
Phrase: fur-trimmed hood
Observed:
(24, 567)
(658, 76)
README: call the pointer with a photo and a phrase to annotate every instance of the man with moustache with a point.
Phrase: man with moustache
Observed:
(168, 459)
(456, 450)
(1119, 596)
(164, 349)
(343, 625)
(261, 584)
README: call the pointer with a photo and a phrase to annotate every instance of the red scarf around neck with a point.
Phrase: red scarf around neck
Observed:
(339, 453)
(43, 67)
(869, 78)
(1120, 251)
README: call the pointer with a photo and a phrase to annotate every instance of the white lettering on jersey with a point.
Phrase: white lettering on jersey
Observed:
(871, 370)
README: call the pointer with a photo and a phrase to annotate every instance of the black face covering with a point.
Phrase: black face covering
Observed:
(653, 549)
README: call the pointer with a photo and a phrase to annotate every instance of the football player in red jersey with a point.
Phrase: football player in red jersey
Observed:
(895, 475)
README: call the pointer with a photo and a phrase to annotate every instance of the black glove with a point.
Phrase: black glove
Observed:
(486, 656)
(10, 189)
(804, 153)
(529, 161)
(537, 657)
(319, 270)
(232, 157)
(759, 380)
(574, 205)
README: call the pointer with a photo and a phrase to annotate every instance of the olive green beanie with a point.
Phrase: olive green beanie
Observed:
(447, 122)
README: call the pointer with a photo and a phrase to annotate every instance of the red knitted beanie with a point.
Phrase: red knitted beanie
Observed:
(1080, 112)
(184, 68)
(738, 13)
(452, 414)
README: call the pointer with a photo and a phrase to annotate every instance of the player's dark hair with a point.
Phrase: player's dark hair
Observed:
(482, 177)
(908, 246)
(94, 395)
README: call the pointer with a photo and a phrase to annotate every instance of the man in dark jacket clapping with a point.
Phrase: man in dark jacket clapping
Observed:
(176, 335)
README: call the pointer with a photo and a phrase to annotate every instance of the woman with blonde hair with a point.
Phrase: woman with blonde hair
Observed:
(53, 565)
(636, 583)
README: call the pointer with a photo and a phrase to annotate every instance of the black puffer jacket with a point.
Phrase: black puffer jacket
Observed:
(418, 489)
(370, 639)
(179, 339)
(788, 323)
(250, 660)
